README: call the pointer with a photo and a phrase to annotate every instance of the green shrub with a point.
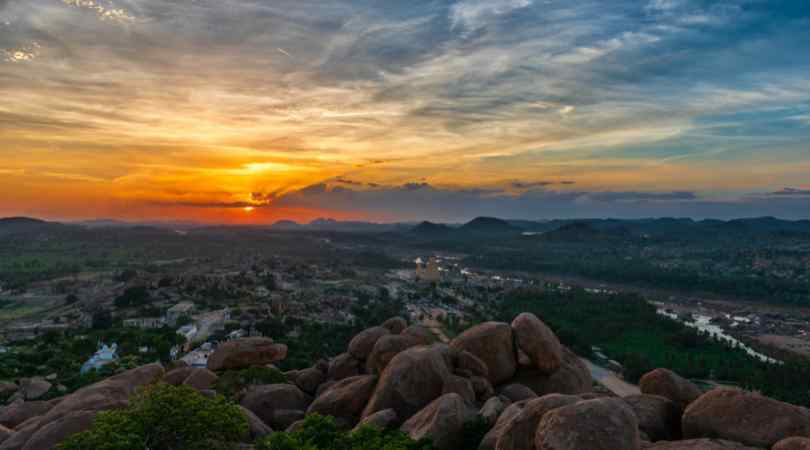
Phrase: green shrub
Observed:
(231, 382)
(322, 433)
(164, 417)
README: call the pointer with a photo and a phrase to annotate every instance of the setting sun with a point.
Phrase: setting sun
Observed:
(248, 208)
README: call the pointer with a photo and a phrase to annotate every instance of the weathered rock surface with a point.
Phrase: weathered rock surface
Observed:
(201, 379)
(412, 380)
(516, 392)
(270, 401)
(256, 426)
(7, 388)
(5, 433)
(442, 421)
(658, 417)
(793, 443)
(483, 388)
(698, 444)
(421, 333)
(492, 343)
(539, 343)
(362, 344)
(18, 412)
(386, 348)
(34, 388)
(668, 384)
(50, 435)
(177, 376)
(246, 352)
(491, 438)
(572, 378)
(492, 409)
(395, 325)
(601, 424)
(343, 366)
(381, 419)
(309, 379)
(519, 432)
(461, 386)
(345, 399)
(744, 417)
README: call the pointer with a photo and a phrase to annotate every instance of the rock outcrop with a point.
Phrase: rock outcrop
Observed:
(492, 343)
(658, 417)
(744, 417)
(538, 342)
(442, 421)
(519, 432)
(275, 404)
(793, 443)
(246, 352)
(668, 384)
(345, 399)
(601, 424)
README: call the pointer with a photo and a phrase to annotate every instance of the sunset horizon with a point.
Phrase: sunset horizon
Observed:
(258, 111)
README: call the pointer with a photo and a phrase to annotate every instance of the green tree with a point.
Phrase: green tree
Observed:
(164, 417)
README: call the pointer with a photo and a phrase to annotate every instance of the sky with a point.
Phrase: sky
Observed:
(251, 111)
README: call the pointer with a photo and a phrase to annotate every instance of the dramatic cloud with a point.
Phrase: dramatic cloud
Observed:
(641, 105)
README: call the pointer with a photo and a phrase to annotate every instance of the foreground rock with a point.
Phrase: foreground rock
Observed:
(442, 421)
(112, 393)
(386, 418)
(395, 325)
(744, 417)
(50, 435)
(668, 384)
(247, 352)
(257, 427)
(491, 438)
(277, 405)
(698, 444)
(201, 379)
(538, 342)
(793, 443)
(412, 380)
(492, 343)
(601, 424)
(572, 378)
(18, 412)
(343, 366)
(519, 432)
(362, 344)
(345, 399)
(658, 417)
(34, 388)
(5, 433)
(386, 348)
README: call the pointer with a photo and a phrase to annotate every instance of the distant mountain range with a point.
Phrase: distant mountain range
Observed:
(558, 229)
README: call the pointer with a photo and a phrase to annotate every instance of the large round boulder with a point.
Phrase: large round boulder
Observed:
(669, 384)
(491, 438)
(658, 417)
(518, 433)
(177, 376)
(572, 378)
(34, 388)
(442, 421)
(600, 424)
(395, 325)
(421, 333)
(744, 417)
(309, 379)
(516, 392)
(201, 379)
(793, 443)
(384, 419)
(345, 399)
(461, 386)
(246, 352)
(413, 379)
(5, 433)
(257, 428)
(272, 403)
(386, 348)
(343, 366)
(363, 343)
(52, 434)
(18, 412)
(539, 343)
(492, 409)
(492, 343)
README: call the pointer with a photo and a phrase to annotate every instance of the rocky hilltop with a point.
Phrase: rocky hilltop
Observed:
(517, 379)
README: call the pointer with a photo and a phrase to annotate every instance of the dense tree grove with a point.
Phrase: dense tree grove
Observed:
(629, 329)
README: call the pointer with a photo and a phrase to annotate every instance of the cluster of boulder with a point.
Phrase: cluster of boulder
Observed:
(517, 379)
